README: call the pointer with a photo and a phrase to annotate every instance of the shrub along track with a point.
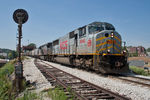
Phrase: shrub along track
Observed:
(82, 89)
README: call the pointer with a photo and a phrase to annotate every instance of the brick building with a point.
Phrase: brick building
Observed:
(136, 51)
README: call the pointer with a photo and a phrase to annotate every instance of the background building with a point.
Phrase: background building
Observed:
(136, 51)
(4, 54)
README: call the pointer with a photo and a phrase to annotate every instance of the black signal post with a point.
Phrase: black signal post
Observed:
(20, 16)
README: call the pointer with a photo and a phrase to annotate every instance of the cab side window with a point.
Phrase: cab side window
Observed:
(71, 34)
(82, 32)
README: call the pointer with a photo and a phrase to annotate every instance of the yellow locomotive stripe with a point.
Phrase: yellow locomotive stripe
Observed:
(117, 38)
(113, 54)
(101, 44)
(106, 43)
(101, 38)
(86, 54)
(104, 49)
(116, 49)
(109, 48)
(118, 44)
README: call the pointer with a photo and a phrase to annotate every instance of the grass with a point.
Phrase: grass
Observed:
(5, 83)
(58, 94)
(139, 71)
(53, 93)
(29, 96)
(7, 90)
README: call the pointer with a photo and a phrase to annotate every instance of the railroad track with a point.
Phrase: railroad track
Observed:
(82, 89)
(136, 80)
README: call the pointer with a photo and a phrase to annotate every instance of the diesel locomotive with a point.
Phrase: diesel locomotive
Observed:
(96, 46)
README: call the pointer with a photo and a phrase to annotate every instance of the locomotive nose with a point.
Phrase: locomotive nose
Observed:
(108, 41)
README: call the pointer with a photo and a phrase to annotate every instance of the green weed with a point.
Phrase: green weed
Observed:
(139, 71)
(57, 94)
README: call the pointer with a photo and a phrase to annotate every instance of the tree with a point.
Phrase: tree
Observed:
(2, 57)
(12, 55)
(148, 50)
(32, 45)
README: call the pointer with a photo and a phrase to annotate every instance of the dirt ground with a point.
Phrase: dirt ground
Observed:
(146, 59)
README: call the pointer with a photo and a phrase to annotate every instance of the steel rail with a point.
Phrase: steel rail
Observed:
(82, 89)
(59, 82)
(135, 81)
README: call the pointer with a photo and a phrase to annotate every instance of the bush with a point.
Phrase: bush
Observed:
(139, 71)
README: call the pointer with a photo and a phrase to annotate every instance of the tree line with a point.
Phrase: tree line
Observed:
(11, 54)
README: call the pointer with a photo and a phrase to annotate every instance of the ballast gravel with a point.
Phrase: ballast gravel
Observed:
(131, 90)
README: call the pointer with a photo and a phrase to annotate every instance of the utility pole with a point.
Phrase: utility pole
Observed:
(124, 45)
(20, 16)
(28, 42)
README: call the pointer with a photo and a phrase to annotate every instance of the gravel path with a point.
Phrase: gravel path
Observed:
(32, 73)
(131, 90)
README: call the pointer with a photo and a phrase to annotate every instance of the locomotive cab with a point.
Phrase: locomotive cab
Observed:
(102, 46)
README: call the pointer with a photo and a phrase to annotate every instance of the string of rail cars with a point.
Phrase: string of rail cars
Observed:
(96, 46)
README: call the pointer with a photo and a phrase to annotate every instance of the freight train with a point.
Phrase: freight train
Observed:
(96, 46)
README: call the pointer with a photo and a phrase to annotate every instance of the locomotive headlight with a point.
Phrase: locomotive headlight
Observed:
(124, 51)
(112, 34)
(108, 51)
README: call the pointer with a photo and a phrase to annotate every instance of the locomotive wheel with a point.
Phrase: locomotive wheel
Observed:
(72, 61)
(83, 65)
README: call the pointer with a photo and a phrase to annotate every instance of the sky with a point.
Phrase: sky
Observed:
(51, 19)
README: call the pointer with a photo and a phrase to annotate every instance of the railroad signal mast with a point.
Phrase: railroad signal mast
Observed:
(20, 16)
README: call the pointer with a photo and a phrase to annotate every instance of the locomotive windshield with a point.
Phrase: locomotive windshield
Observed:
(93, 29)
(109, 27)
(99, 26)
